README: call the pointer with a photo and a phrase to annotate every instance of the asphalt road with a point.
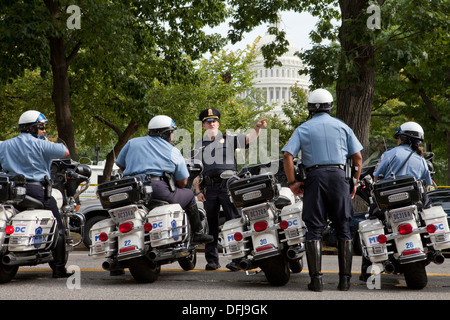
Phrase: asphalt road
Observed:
(91, 282)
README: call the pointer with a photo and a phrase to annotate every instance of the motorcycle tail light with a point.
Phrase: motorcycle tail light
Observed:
(431, 228)
(405, 228)
(103, 236)
(148, 227)
(409, 252)
(126, 249)
(266, 247)
(260, 226)
(9, 230)
(382, 238)
(284, 224)
(238, 236)
(126, 227)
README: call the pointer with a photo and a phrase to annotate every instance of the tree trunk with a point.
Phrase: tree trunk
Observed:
(61, 87)
(355, 89)
(123, 137)
(61, 94)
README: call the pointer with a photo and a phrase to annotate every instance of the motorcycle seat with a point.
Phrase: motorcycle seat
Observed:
(282, 201)
(153, 203)
(29, 203)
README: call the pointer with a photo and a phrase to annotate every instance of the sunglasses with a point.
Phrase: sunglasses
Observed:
(41, 127)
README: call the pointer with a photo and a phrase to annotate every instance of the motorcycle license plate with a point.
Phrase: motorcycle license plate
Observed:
(125, 214)
(257, 213)
(401, 215)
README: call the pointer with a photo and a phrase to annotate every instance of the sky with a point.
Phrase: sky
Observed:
(296, 25)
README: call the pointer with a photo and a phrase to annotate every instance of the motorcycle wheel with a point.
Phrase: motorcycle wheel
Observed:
(276, 270)
(415, 275)
(189, 262)
(7, 273)
(143, 270)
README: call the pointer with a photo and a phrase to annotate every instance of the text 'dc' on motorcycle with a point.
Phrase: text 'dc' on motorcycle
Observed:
(28, 232)
(270, 234)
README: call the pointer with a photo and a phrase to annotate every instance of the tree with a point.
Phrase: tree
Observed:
(35, 34)
(416, 59)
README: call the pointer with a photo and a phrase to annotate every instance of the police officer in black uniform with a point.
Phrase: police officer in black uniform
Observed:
(217, 152)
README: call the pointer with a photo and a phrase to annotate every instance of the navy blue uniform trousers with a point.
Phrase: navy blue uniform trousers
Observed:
(327, 195)
(216, 196)
(38, 192)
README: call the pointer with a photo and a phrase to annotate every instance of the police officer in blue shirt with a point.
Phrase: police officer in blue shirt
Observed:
(31, 155)
(217, 152)
(153, 156)
(405, 159)
(326, 143)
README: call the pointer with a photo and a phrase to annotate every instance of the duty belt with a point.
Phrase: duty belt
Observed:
(152, 177)
(39, 183)
(337, 166)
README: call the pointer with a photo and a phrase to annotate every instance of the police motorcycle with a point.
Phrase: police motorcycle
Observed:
(143, 233)
(401, 236)
(270, 234)
(28, 233)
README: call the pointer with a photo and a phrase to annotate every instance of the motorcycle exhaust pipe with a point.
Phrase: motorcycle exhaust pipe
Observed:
(153, 255)
(8, 259)
(245, 264)
(389, 267)
(109, 264)
(293, 253)
(438, 258)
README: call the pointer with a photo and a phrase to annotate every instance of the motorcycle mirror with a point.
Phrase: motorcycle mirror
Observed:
(227, 174)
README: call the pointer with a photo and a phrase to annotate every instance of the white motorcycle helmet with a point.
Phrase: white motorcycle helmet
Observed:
(29, 121)
(320, 100)
(161, 126)
(410, 131)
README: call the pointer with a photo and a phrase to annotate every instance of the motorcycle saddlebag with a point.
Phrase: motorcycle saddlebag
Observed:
(253, 190)
(8, 187)
(397, 192)
(118, 193)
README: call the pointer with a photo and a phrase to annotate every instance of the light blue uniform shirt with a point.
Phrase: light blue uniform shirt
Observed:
(152, 155)
(29, 156)
(393, 159)
(324, 140)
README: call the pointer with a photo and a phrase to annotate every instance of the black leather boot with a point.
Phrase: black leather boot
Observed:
(314, 259)
(196, 225)
(345, 257)
(59, 257)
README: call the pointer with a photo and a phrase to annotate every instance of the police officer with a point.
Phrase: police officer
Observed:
(151, 157)
(31, 155)
(326, 143)
(405, 159)
(217, 152)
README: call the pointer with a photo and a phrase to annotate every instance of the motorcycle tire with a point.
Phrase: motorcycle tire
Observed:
(7, 273)
(189, 262)
(144, 270)
(296, 266)
(415, 275)
(276, 270)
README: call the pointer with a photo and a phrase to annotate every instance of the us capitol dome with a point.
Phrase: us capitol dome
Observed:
(276, 82)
